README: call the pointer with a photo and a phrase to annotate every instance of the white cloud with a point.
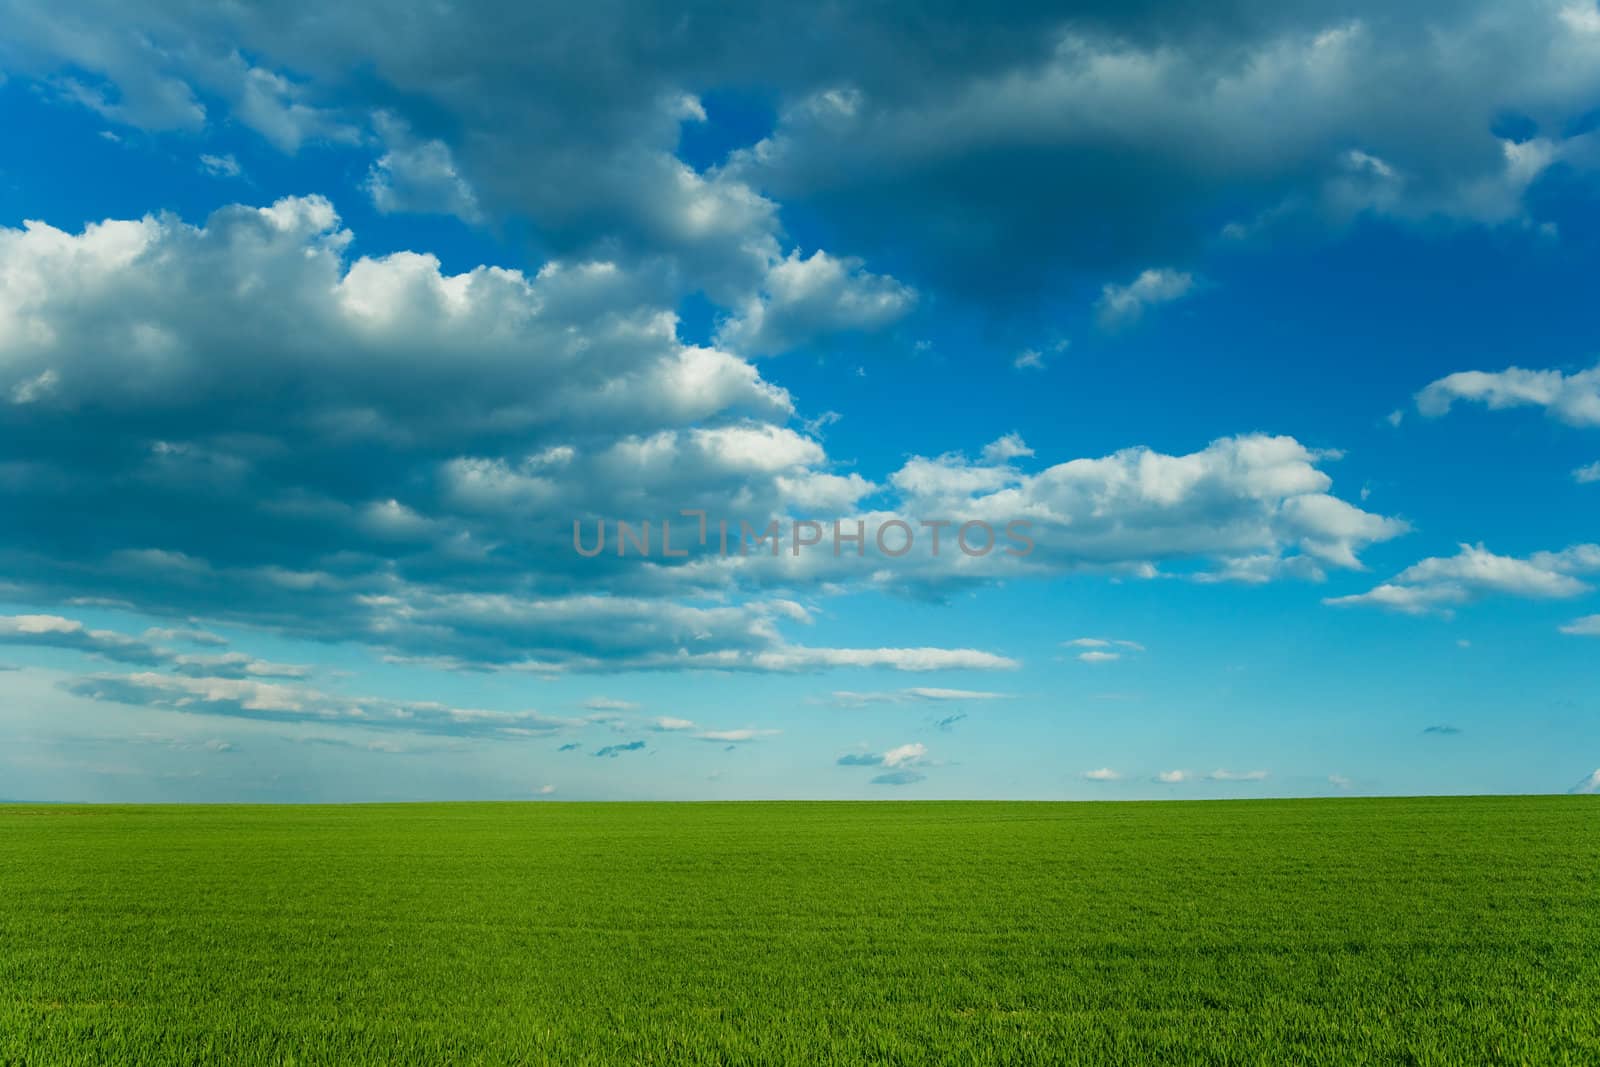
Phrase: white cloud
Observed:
(1588, 626)
(1122, 305)
(1571, 398)
(905, 755)
(1339, 781)
(1587, 475)
(1174, 777)
(1256, 505)
(564, 393)
(1005, 449)
(567, 392)
(668, 724)
(1437, 584)
(1591, 784)
(804, 299)
(1237, 776)
(734, 737)
(1099, 657)
(1102, 774)
(1103, 642)
(798, 657)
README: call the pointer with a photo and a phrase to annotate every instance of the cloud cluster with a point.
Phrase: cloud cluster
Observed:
(1439, 584)
(239, 421)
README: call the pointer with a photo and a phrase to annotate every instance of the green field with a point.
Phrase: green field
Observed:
(1311, 931)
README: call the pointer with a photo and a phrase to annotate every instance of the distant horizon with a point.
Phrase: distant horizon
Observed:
(763, 800)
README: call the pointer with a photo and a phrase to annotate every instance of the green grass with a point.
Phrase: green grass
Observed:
(1380, 931)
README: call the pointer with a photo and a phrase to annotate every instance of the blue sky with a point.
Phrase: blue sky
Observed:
(1275, 328)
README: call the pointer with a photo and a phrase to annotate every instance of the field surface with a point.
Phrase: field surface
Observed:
(1429, 931)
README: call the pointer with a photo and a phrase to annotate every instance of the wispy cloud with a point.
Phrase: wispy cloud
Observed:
(848, 698)
(1237, 776)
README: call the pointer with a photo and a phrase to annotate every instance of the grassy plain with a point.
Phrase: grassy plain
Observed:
(1427, 931)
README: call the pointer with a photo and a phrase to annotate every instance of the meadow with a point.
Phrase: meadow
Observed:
(1425, 931)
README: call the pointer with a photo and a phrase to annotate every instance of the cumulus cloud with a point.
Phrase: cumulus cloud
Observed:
(1438, 584)
(1174, 777)
(1122, 305)
(1587, 475)
(1571, 398)
(416, 175)
(803, 299)
(308, 462)
(1253, 507)
(1588, 626)
(1590, 784)
(1102, 774)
